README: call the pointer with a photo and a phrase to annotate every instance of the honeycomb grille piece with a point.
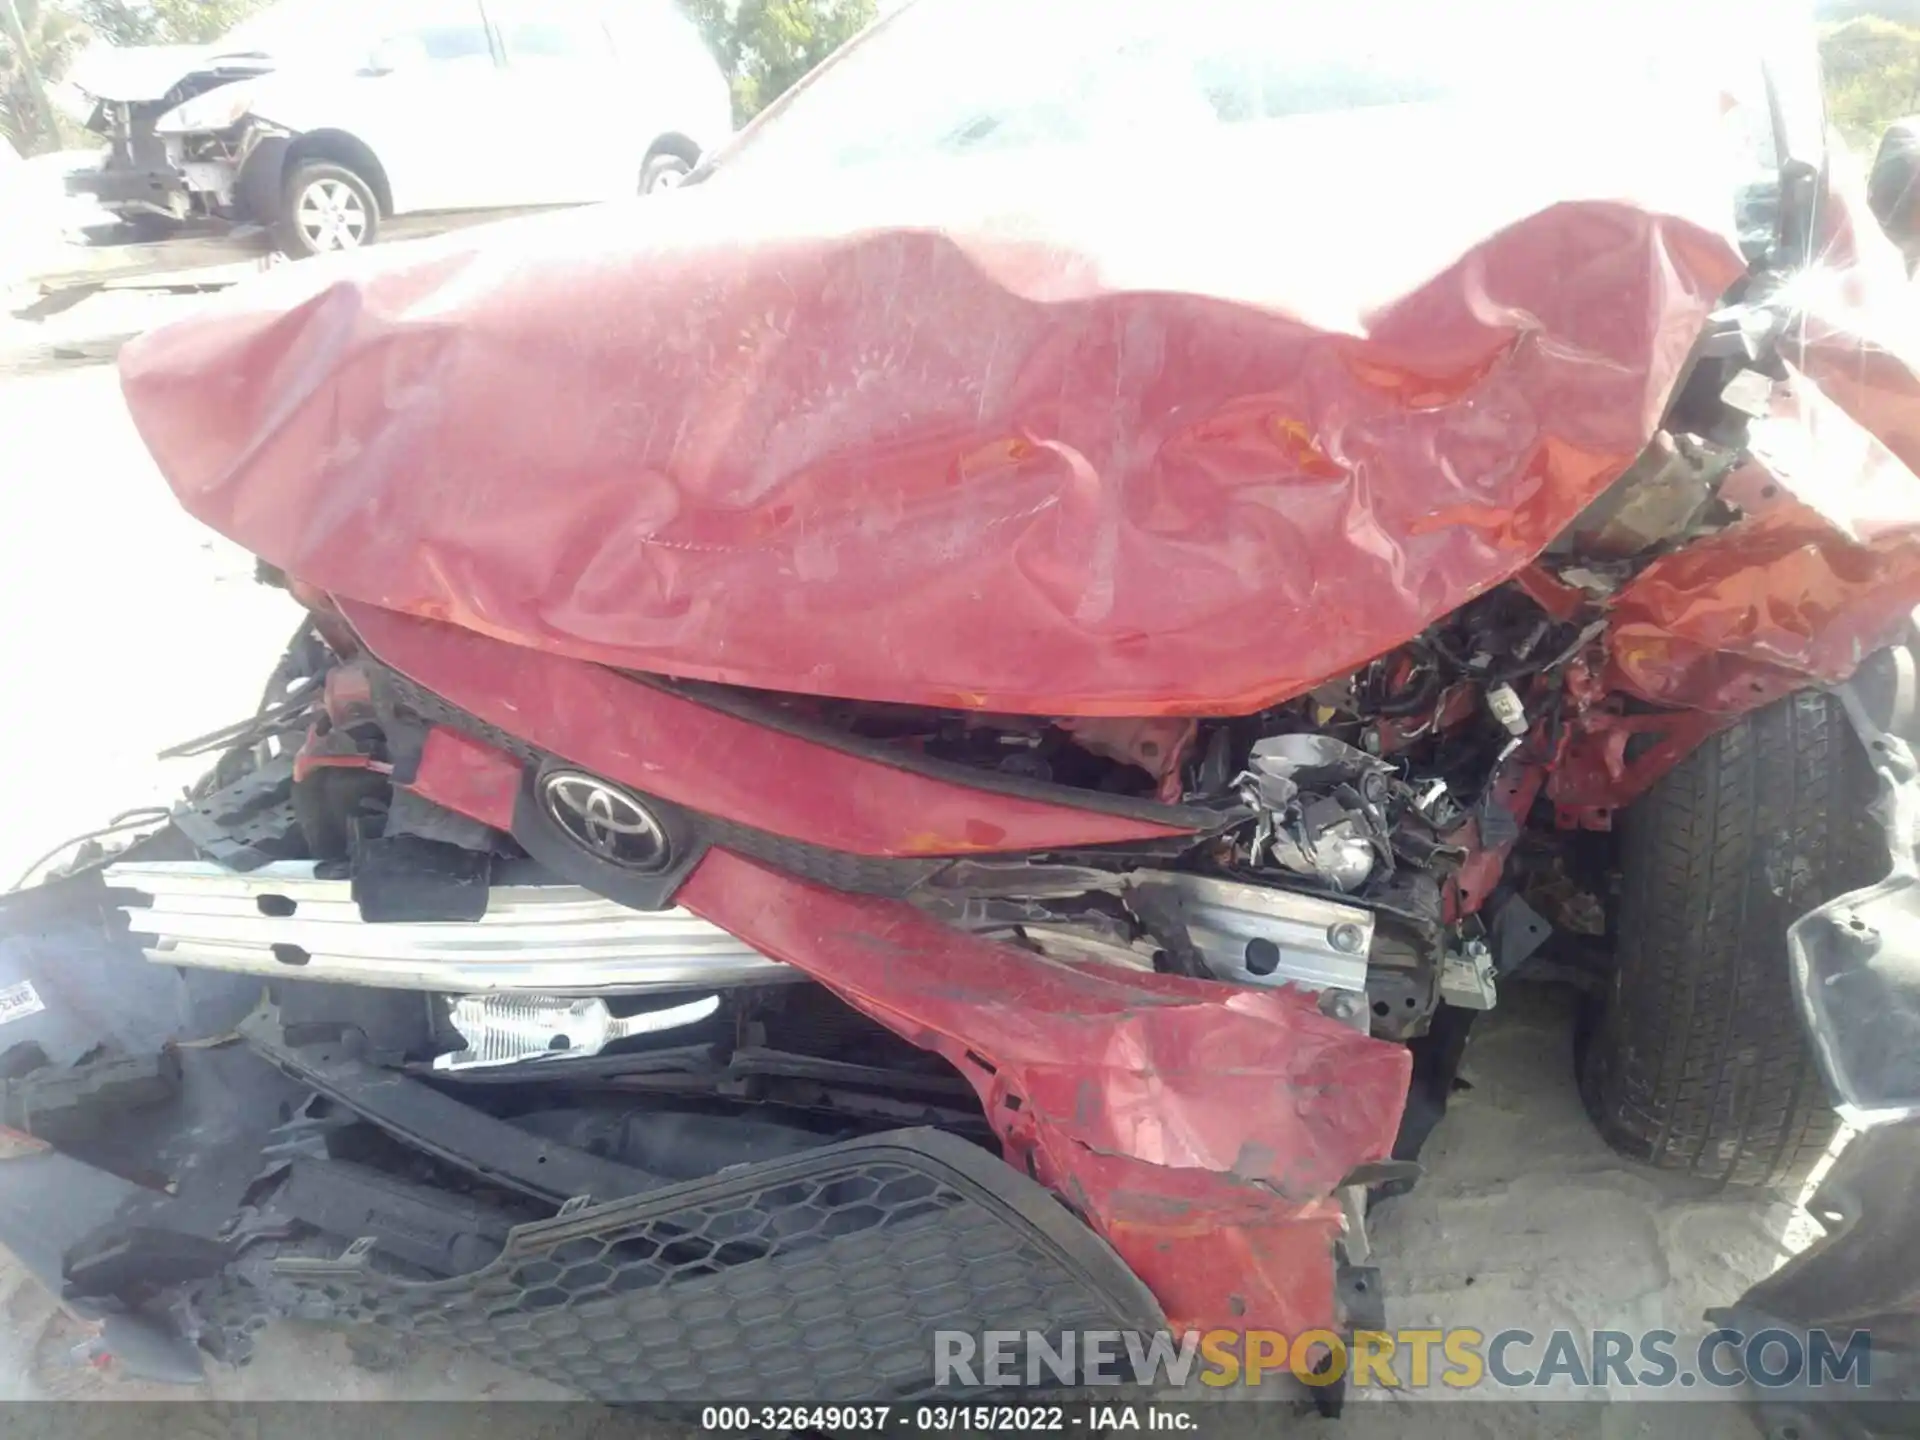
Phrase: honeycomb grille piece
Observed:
(823, 1278)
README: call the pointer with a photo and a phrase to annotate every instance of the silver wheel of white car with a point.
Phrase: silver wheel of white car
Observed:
(327, 207)
(331, 216)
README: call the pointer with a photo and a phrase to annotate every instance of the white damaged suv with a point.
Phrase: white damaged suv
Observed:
(323, 119)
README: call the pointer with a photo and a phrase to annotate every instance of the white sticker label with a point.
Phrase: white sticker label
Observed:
(19, 1001)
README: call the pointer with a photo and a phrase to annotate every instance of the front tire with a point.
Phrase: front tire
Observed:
(326, 207)
(1699, 1062)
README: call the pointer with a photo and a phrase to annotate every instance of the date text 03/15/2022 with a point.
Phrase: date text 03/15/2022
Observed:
(938, 1418)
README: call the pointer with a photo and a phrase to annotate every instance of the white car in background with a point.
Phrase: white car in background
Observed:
(322, 119)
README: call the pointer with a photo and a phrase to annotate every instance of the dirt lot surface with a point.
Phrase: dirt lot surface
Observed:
(130, 627)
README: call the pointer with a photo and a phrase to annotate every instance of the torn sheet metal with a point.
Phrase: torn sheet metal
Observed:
(1822, 570)
(1823, 567)
(1203, 1129)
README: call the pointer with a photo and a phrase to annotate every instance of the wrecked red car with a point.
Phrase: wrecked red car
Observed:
(929, 718)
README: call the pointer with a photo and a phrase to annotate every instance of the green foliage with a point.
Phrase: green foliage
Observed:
(1907, 12)
(1873, 76)
(766, 45)
(53, 37)
(163, 22)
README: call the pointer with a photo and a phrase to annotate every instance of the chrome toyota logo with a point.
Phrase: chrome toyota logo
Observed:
(604, 820)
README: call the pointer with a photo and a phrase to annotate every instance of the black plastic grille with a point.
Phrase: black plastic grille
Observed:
(818, 1279)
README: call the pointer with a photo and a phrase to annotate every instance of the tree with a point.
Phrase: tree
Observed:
(163, 22)
(1872, 74)
(766, 45)
(36, 44)
(1907, 12)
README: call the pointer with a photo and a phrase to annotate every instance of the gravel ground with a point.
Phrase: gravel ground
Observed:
(131, 627)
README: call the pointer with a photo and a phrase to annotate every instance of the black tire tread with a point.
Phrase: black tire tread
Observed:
(1700, 1063)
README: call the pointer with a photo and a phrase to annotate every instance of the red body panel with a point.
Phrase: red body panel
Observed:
(1824, 568)
(1199, 1127)
(469, 777)
(984, 444)
(691, 754)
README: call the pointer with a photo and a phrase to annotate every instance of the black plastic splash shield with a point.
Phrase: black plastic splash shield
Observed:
(1856, 959)
(821, 1278)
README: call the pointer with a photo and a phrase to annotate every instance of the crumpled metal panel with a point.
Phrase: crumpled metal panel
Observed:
(1823, 568)
(974, 435)
(1201, 1128)
(820, 1278)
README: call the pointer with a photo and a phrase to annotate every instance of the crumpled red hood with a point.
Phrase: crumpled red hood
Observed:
(1014, 435)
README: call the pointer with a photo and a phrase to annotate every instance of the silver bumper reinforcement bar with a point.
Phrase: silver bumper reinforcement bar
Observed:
(547, 939)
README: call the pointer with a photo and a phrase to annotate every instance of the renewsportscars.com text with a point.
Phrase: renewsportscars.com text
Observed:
(1456, 1359)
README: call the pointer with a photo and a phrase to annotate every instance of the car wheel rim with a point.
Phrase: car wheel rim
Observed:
(666, 178)
(331, 216)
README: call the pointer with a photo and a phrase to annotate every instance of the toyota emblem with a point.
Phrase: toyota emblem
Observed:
(604, 820)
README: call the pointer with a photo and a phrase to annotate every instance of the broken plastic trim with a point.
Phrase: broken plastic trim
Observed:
(1855, 959)
(823, 1277)
(418, 1115)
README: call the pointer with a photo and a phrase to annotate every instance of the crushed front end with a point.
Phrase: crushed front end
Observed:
(545, 1007)
(970, 682)
(555, 1040)
(173, 122)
